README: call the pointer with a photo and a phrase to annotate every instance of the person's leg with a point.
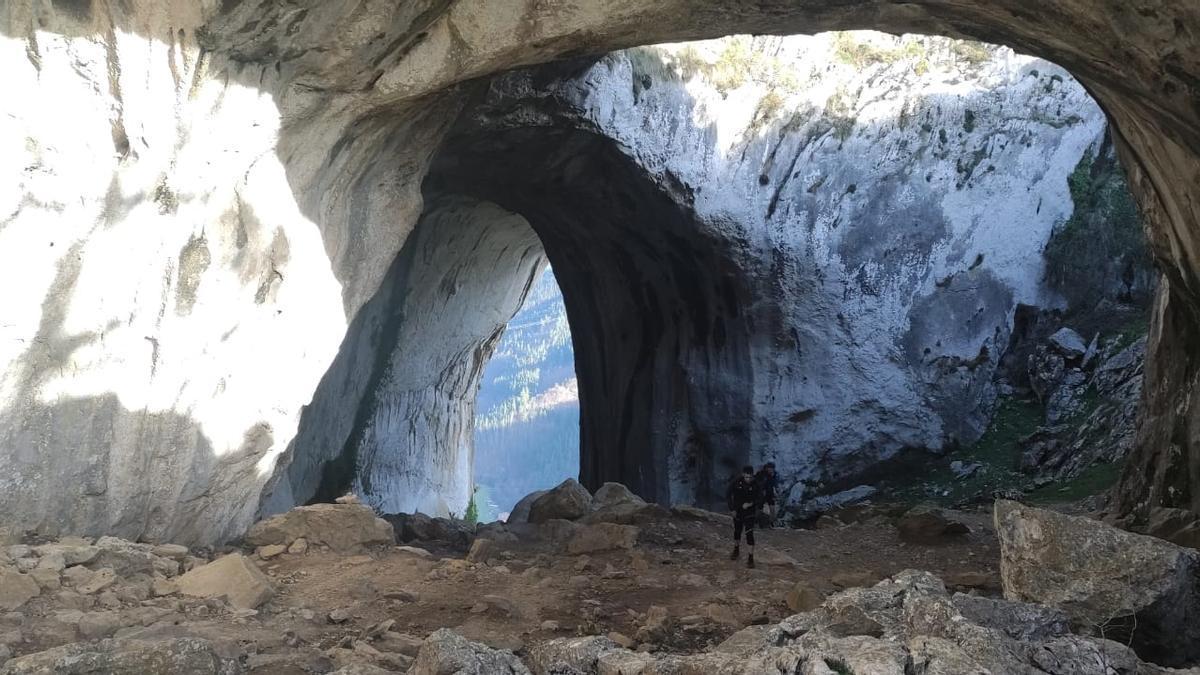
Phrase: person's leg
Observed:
(750, 543)
(773, 510)
(737, 537)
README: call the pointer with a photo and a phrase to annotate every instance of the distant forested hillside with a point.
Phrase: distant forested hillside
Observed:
(527, 414)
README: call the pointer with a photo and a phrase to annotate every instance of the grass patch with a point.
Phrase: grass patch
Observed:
(1095, 479)
(974, 53)
(998, 450)
(1131, 332)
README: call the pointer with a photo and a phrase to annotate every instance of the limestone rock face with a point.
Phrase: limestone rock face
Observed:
(345, 528)
(1145, 589)
(202, 255)
(557, 656)
(445, 651)
(568, 501)
(127, 657)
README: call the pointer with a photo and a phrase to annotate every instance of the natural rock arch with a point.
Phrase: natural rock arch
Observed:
(342, 108)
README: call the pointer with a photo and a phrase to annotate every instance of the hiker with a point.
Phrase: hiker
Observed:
(742, 498)
(768, 485)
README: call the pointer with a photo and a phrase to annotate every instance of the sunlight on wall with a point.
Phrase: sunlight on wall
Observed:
(216, 301)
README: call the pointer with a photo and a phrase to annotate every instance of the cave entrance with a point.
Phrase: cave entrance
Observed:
(527, 409)
(734, 296)
(750, 291)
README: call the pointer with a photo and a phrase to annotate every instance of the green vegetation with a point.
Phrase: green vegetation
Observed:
(850, 51)
(1102, 241)
(1132, 331)
(472, 515)
(840, 114)
(974, 53)
(737, 64)
(998, 450)
(1095, 479)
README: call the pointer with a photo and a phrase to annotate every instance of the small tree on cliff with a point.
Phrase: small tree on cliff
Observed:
(472, 515)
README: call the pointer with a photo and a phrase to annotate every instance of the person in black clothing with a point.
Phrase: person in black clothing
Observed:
(743, 500)
(768, 484)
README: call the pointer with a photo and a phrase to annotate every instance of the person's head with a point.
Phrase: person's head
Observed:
(747, 472)
(770, 468)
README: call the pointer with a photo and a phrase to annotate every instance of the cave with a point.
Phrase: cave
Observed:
(278, 167)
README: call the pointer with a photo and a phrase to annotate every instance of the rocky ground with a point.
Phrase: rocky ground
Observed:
(596, 584)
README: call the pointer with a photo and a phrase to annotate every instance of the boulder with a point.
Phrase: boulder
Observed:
(627, 513)
(123, 557)
(964, 470)
(456, 533)
(345, 528)
(559, 655)
(481, 549)
(688, 512)
(126, 657)
(812, 508)
(610, 494)
(602, 537)
(96, 625)
(97, 581)
(233, 576)
(16, 589)
(173, 551)
(928, 525)
(568, 501)
(1068, 343)
(1018, 620)
(749, 640)
(1136, 588)
(445, 652)
(803, 597)
(1175, 525)
(520, 512)
(411, 526)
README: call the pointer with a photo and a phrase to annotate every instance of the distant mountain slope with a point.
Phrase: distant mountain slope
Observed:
(527, 424)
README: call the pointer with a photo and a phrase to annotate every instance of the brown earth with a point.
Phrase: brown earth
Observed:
(525, 591)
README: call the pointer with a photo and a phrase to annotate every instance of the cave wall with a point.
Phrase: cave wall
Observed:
(863, 234)
(225, 185)
(469, 270)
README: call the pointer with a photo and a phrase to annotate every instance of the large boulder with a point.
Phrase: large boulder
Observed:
(445, 652)
(345, 528)
(16, 589)
(411, 526)
(611, 494)
(928, 525)
(568, 655)
(1018, 620)
(520, 511)
(1068, 343)
(192, 656)
(234, 576)
(1175, 525)
(1136, 588)
(812, 508)
(568, 501)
